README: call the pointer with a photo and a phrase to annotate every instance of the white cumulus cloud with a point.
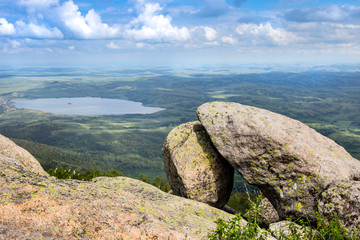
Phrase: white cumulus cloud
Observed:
(210, 33)
(37, 31)
(203, 34)
(151, 26)
(6, 28)
(88, 27)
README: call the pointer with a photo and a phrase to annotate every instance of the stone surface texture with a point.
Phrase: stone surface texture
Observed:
(342, 198)
(268, 214)
(289, 162)
(36, 206)
(194, 167)
(283, 229)
(10, 150)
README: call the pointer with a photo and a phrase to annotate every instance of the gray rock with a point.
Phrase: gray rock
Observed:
(194, 167)
(284, 229)
(269, 214)
(342, 199)
(289, 162)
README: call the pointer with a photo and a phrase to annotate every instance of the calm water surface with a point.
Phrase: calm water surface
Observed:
(85, 106)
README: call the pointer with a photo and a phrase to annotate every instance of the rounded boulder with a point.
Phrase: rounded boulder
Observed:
(194, 167)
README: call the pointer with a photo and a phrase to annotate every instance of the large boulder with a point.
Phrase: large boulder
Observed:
(290, 162)
(36, 206)
(194, 167)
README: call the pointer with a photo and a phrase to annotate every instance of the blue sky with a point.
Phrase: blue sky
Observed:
(174, 32)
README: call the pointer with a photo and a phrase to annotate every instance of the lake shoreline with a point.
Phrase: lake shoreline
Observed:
(84, 106)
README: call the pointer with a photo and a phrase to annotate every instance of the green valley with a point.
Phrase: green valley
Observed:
(131, 144)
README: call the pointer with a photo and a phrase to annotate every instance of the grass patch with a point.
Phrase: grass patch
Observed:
(132, 144)
(325, 228)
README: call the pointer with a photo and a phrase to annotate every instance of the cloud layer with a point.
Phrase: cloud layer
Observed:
(150, 25)
(182, 24)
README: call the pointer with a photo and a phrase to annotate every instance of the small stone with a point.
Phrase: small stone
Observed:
(284, 229)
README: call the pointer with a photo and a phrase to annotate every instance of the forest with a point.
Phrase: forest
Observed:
(131, 144)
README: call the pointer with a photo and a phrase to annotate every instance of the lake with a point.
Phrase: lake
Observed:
(85, 106)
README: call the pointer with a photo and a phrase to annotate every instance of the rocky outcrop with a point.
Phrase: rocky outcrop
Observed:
(36, 206)
(9, 150)
(291, 163)
(194, 167)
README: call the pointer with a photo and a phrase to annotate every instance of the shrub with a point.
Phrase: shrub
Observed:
(63, 173)
(241, 202)
(158, 182)
(325, 228)
(234, 230)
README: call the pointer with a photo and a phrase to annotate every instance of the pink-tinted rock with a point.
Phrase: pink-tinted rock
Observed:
(9, 149)
(36, 206)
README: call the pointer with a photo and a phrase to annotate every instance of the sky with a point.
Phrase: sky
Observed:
(178, 32)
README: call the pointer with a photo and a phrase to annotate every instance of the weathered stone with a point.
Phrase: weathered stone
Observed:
(35, 206)
(286, 229)
(12, 151)
(289, 162)
(342, 199)
(268, 213)
(194, 168)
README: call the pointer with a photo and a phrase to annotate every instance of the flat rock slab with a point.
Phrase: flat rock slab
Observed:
(36, 206)
(290, 162)
(194, 167)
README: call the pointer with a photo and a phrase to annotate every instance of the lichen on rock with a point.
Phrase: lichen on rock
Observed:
(12, 151)
(37, 206)
(194, 167)
(342, 198)
(291, 163)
